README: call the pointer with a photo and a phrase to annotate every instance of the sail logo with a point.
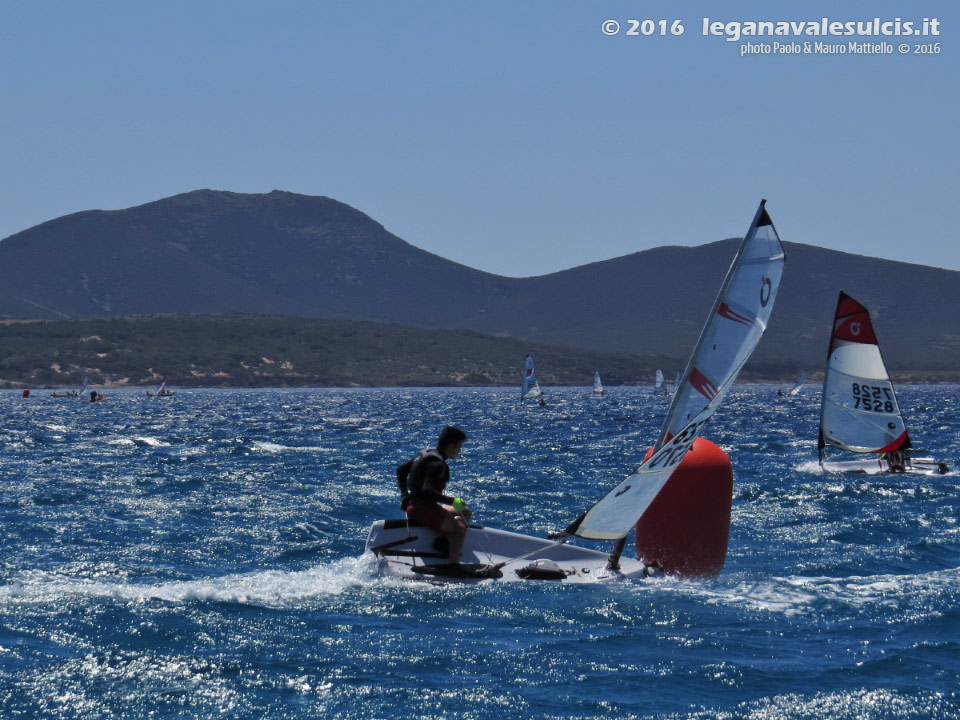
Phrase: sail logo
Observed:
(854, 327)
(725, 311)
(765, 284)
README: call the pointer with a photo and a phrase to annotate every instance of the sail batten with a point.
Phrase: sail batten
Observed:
(736, 322)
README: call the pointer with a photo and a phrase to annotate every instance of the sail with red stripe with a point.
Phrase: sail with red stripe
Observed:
(737, 321)
(859, 409)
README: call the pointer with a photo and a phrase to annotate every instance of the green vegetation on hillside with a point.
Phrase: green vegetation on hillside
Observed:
(237, 350)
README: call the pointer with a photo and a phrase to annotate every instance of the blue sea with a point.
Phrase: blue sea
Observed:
(201, 556)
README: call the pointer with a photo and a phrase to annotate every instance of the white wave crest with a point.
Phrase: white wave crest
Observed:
(268, 588)
(151, 441)
(794, 595)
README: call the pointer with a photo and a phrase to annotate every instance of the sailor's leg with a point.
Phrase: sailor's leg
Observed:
(455, 528)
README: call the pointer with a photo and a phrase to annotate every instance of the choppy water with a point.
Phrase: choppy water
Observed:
(200, 556)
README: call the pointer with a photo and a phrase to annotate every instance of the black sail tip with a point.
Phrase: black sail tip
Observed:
(764, 218)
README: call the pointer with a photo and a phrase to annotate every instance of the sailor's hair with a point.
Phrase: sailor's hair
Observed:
(449, 435)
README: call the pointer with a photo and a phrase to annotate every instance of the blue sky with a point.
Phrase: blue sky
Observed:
(512, 136)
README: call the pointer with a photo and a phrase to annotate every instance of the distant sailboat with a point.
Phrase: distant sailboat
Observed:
(529, 388)
(676, 384)
(859, 410)
(75, 393)
(597, 385)
(162, 391)
(658, 383)
(797, 386)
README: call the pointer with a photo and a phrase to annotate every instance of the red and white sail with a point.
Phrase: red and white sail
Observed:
(739, 317)
(859, 409)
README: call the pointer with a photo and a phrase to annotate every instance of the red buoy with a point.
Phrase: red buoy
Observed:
(687, 526)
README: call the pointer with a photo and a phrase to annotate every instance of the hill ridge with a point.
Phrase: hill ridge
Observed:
(285, 254)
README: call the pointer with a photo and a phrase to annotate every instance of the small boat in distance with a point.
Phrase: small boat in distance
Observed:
(74, 393)
(658, 388)
(797, 386)
(597, 385)
(859, 411)
(162, 391)
(530, 388)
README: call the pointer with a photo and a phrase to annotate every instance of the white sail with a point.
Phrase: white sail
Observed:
(676, 384)
(83, 385)
(530, 387)
(733, 328)
(597, 385)
(798, 386)
(658, 382)
(859, 409)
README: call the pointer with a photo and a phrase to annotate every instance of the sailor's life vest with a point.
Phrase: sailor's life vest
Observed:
(411, 484)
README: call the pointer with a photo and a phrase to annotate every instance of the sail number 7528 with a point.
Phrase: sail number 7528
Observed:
(872, 397)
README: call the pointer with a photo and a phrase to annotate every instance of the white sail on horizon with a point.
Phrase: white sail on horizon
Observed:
(597, 385)
(530, 388)
(798, 385)
(738, 319)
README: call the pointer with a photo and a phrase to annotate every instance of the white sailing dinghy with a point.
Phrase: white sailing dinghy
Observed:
(162, 391)
(859, 411)
(597, 385)
(75, 393)
(658, 383)
(798, 385)
(735, 324)
(529, 388)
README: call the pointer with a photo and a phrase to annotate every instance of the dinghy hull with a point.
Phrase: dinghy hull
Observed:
(415, 552)
(878, 466)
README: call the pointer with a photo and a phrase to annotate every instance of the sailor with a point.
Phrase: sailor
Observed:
(895, 460)
(422, 481)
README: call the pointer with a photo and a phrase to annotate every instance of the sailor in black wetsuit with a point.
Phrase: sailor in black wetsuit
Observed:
(422, 482)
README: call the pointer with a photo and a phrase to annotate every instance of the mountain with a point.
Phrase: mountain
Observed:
(209, 251)
(286, 254)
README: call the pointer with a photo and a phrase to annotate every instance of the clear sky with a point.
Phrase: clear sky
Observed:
(509, 135)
